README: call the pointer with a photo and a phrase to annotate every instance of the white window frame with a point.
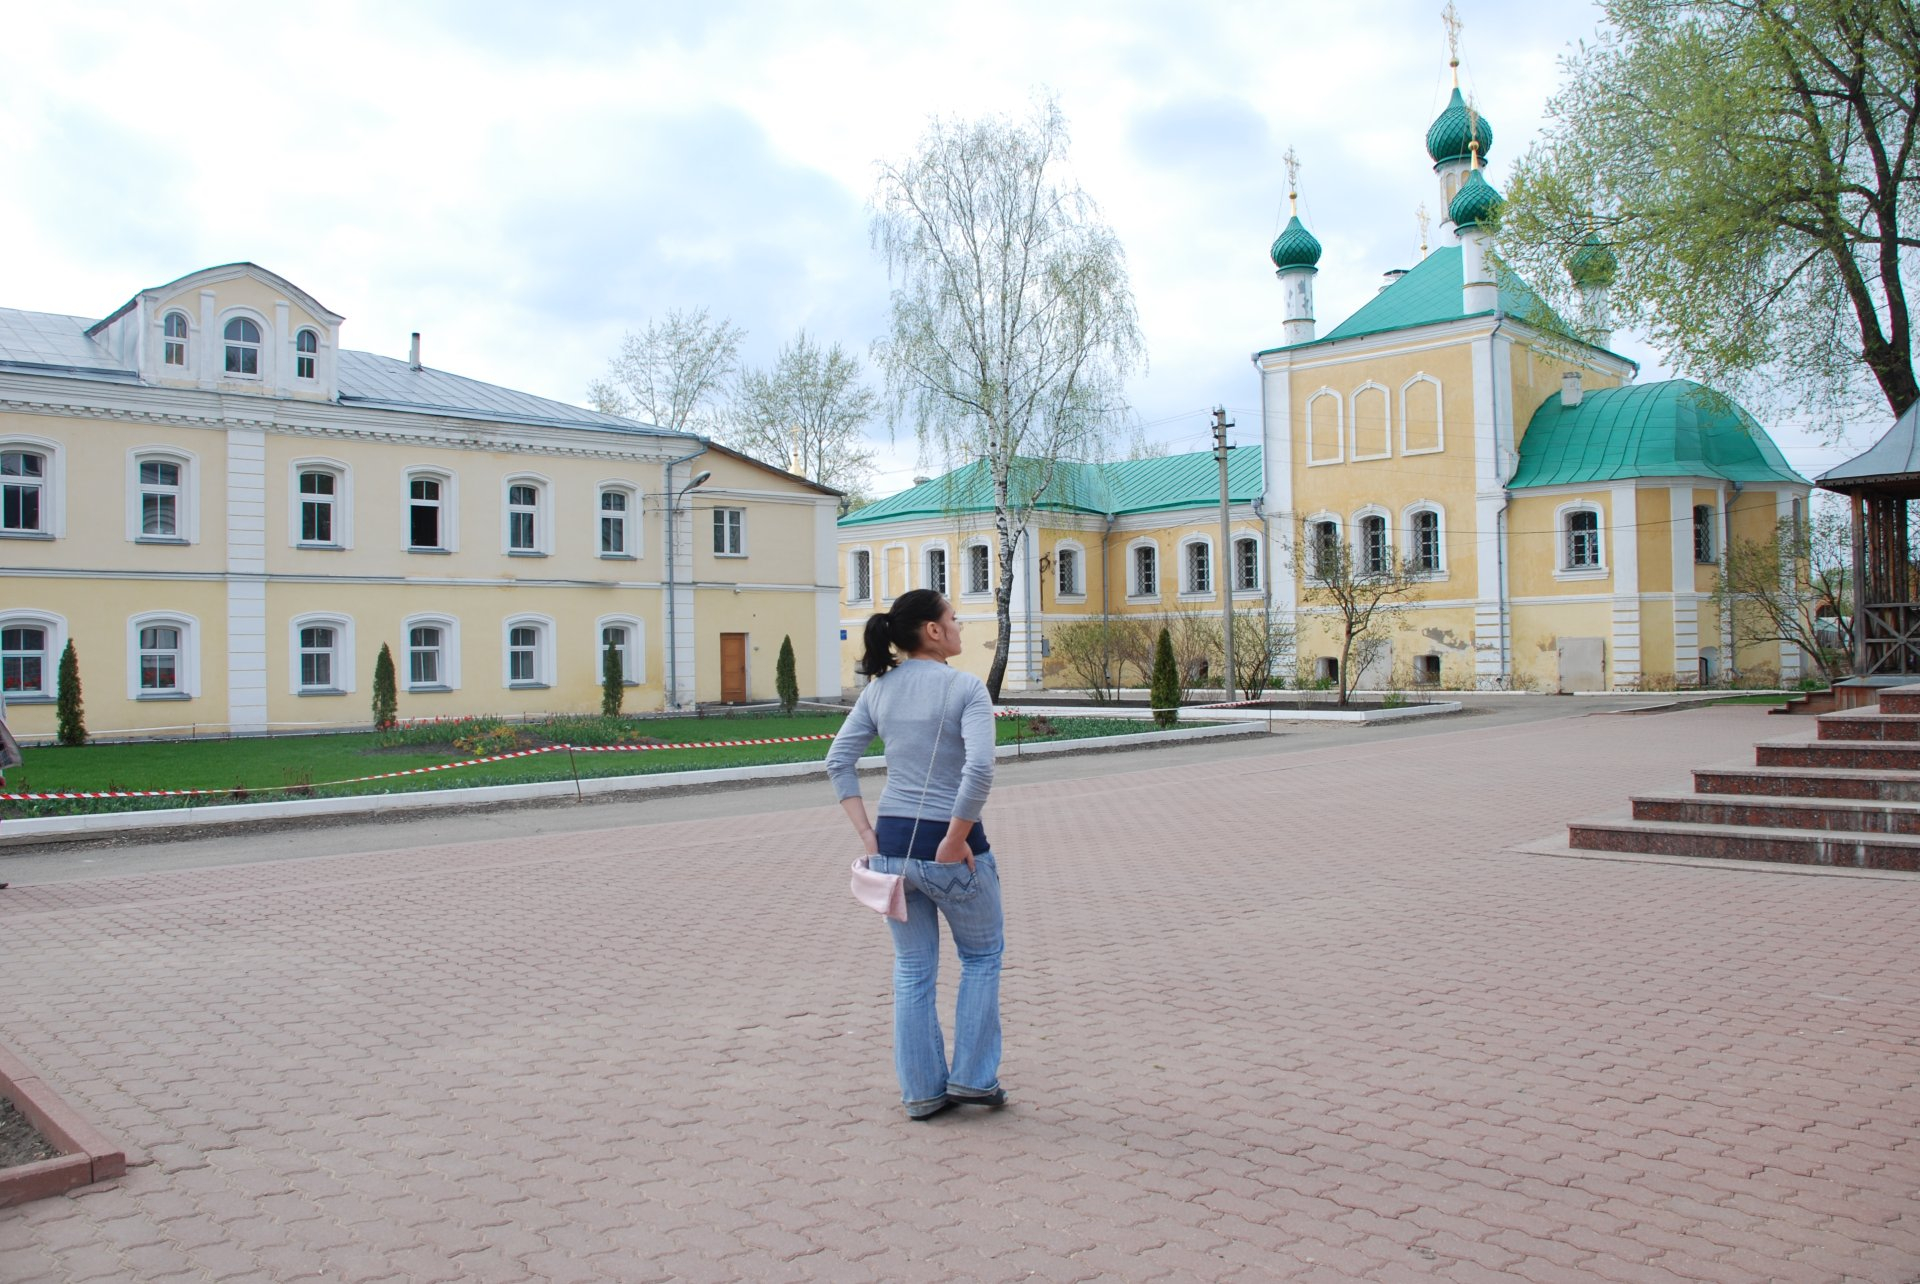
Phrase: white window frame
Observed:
(342, 502)
(542, 523)
(1439, 416)
(725, 529)
(1359, 528)
(1339, 428)
(925, 579)
(629, 518)
(343, 650)
(186, 499)
(52, 486)
(449, 627)
(262, 350)
(187, 667)
(184, 366)
(1310, 543)
(1407, 518)
(967, 556)
(449, 510)
(1136, 591)
(854, 595)
(1562, 535)
(55, 627)
(543, 652)
(1061, 592)
(636, 656)
(1353, 422)
(1259, 565)
(1188, 589)
(308, 358)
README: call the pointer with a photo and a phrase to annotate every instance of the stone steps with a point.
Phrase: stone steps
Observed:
(1849, 798)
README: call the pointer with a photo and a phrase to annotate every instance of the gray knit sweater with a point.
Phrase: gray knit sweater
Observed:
(908, 708)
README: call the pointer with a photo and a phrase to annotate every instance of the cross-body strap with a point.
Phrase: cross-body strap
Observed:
(939, 730)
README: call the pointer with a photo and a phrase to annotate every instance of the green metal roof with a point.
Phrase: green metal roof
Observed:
(1675, 428)
(1102, 490)
(1431, 293)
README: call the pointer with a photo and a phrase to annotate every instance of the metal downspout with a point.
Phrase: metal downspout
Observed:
(1106, 604)
(673, 637)
(1500, 517)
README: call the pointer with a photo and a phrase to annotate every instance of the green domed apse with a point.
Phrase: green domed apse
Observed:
(1593, 263)
(1453, 131)
(1476, 204)
(1295, 247)
(1674, 428)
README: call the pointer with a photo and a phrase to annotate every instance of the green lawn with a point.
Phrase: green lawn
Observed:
(268, 769)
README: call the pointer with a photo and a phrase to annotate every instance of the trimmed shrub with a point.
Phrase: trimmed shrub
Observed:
(613, 684)
(73, 718)
(1165, 691)
(386, 696)
(784, 680)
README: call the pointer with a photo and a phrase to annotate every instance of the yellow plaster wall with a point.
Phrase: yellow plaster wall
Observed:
(1656, 642)
(1537, 371)
(765, 617)
(1537, 629)
(1534, 545)
(1657, 532)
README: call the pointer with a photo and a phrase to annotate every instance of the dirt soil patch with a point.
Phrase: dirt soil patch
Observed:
(19, 1143)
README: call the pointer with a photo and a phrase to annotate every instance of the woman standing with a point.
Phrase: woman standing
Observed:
(938, 726)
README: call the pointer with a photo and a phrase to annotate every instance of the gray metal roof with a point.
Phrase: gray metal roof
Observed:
(45, 342)
(1895, 457)
(50, 340)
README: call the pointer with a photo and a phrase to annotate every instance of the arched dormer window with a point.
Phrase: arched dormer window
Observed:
(306, 354)
(174, 347)
(243, 347)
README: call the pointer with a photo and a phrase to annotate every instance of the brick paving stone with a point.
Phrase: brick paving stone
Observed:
(1427, 1058)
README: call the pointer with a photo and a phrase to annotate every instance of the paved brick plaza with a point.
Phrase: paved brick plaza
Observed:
(1297, 1015)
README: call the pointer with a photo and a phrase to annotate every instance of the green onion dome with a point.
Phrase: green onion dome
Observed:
(1295, 247)
(1593, 263)
(1476, 204)
(1454, 130)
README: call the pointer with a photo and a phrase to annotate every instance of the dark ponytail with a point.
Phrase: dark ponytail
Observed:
(897, 628)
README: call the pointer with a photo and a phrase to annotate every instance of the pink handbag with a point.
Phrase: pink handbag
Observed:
(887, 893)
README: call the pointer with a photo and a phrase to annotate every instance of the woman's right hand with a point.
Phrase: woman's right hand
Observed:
(953, 850)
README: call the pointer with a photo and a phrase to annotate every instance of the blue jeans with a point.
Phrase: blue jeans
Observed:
(970, 899)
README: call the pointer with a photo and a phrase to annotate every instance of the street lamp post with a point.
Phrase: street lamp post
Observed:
(673, 637)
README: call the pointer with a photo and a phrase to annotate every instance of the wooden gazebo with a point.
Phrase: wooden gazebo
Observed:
(1886, 590)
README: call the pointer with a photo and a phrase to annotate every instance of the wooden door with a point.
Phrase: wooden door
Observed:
(733, 668)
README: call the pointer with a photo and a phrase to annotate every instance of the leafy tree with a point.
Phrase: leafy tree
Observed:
(1164, 694)
(386, 698)
(1752, 165)
(809, 412)
(1365, 599)
(1096, 653)
(1012, 323)
(1795, 587)
(785, 682)
(72, 718)
(1257, 643)
(613, 683)
(673, 374)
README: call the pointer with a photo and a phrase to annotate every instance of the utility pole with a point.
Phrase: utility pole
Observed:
(1223, 569)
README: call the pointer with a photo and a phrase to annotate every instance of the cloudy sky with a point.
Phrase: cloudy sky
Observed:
(524, 182)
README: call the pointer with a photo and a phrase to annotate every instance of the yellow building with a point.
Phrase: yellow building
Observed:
(228, 514)
(1134, 540)
(1567, 527)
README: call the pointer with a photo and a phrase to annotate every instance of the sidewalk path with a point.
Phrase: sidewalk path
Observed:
(1299, 1016)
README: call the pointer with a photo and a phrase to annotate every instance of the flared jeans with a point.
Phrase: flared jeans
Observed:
(969, 899)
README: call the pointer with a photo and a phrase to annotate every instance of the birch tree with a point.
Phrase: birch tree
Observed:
(673, 374)
(1012, 326)
(809, 412)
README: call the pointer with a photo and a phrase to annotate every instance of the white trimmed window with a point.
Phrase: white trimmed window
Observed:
(1376, 549)
(1580, 547)
(525, 511)
(860, 575)
(627, 636)
(29, 651)
(242, 336)
(934, 569)
(1196, 567)
(1246, 565)
(163, 657)
(26, 506)
(1143, 571)
(1323, 549)
(1703, 533)
(306, 354)
(320, 514)
(162, 508)
(529, 651)
(616, 521)
(1069, 572)
(433, 653)
(1426, 550)
(729, 532)
(430, 512)
(979, 569)
(175, 331)
(321, 654)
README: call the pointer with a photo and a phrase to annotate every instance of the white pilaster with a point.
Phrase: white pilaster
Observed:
(280, 352)
(246, 524)
(1492, 625)
(681, 666)
(1625, 664)
(1686, 603)
(208, 359)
